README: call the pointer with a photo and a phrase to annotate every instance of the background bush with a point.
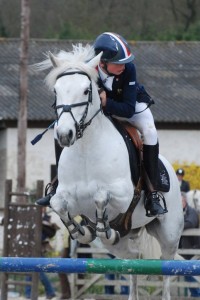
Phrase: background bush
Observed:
(192, 174)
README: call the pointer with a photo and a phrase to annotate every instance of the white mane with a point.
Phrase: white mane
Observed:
(76, 59)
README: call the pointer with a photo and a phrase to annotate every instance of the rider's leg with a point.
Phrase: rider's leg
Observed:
(51, 187)
(150, 160)
(144, 122)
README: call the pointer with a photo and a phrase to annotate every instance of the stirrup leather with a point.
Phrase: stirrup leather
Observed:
(51, 186)
(48, 188)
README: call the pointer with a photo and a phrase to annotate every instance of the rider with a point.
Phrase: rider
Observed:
(122, 97)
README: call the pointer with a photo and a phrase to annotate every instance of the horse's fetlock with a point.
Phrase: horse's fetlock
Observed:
(113, 239)
(88, 237)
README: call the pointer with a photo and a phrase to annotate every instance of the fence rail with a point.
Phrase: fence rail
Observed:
(101, 266)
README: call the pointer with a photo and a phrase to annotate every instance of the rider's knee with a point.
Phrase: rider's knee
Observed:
(150, 135)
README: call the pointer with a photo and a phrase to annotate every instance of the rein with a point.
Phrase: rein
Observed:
(81, 125)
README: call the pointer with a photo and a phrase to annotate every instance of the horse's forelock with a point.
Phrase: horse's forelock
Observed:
(76, 59)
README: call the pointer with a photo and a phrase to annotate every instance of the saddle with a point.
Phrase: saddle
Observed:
(134, 146)
(122, 223)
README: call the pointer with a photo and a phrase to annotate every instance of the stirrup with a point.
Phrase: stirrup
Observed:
(47, 188)
(45, 201)
(153, 206)
(50, 190)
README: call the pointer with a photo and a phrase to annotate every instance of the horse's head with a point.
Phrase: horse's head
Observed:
(73, 79)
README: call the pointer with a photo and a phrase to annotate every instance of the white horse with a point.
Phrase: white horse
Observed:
(94, 173)
(193, 199)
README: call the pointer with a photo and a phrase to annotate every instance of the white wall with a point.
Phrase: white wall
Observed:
(180, 146)
(39, 158)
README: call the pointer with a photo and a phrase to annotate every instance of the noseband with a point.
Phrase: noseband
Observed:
(80, 126)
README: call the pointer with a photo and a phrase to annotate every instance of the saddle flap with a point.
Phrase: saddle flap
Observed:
(134, 146)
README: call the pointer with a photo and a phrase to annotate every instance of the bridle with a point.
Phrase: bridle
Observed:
(81, 125)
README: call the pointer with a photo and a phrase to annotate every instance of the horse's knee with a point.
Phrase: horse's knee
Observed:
(101, 198)
(59, 205)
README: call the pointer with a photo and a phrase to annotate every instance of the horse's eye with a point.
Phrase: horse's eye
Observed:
(86, 92)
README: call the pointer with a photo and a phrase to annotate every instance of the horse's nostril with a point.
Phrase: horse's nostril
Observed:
(70, 135)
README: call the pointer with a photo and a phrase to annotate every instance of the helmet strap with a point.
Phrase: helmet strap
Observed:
(105, 67)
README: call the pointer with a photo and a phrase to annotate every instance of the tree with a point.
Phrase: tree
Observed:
(188, 12)
(22, 120)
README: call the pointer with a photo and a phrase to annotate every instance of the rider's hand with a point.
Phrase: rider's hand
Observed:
(103, 98)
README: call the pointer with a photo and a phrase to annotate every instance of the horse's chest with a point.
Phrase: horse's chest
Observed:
(89, 169)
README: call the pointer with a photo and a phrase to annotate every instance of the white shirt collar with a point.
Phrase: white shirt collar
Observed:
(106, 79)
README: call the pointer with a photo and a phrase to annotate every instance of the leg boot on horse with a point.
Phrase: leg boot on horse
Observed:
(150, 159)
(50, 189)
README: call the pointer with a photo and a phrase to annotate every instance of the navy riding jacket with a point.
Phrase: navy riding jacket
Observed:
(121, 100)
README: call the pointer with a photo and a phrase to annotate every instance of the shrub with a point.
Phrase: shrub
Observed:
(192, 174)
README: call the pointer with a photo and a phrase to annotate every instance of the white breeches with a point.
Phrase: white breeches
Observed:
(144, 122)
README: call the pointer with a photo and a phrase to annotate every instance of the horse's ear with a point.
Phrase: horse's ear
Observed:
(55, 62)
(95, 61)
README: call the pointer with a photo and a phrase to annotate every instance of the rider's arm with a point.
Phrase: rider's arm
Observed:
(124, 106)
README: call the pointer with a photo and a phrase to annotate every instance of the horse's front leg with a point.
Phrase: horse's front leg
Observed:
(103, 230)
(60, 206)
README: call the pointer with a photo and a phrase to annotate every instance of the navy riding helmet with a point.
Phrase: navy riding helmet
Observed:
(115, 48)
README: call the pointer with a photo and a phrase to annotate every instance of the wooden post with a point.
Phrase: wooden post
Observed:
(38, 221)
(21, 213)
(8, 189)
(22, 121)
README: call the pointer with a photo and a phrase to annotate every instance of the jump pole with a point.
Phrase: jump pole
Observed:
(100, 266)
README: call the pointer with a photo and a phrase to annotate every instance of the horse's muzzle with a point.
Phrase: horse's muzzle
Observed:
(66, 140)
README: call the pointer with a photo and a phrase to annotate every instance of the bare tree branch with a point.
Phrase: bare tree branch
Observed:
(191, 16)
(174, 12)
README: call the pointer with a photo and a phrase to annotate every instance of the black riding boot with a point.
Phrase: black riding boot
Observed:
(152, 201)
(50, 189)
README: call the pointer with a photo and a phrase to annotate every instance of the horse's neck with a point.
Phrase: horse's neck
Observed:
(101, 133)
(101, 127)
(97, 138)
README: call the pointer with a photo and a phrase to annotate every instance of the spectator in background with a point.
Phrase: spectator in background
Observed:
(184, 185)
(191, 220)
